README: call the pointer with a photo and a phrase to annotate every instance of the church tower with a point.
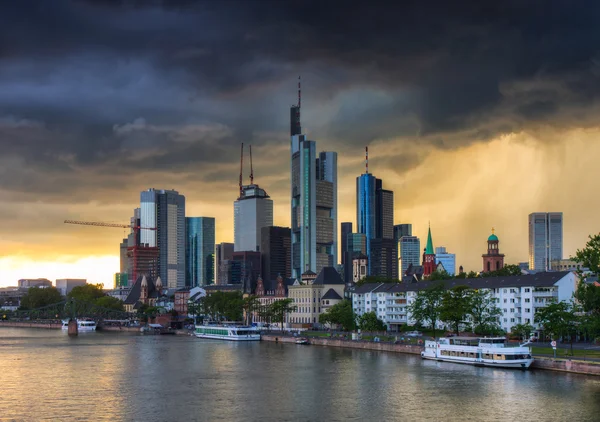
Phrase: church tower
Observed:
(428, 256)
(493, 260)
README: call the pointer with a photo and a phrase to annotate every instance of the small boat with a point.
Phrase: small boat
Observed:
(476, 351)
(302, 341)
(82, 325)
(227, 332)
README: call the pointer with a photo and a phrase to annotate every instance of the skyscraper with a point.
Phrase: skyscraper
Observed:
(223, 252)
(252, 211)
(402, 230)
(447, 259)
(545, 239)
(276, 252)
(346, 230)
(384, 209)
(410, 252)
(165, 211)
(199, 251)
(383, 258)
(313, 202)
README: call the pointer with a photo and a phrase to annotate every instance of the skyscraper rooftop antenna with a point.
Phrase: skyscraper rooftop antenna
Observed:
(251, 169)
(299, 99)
(366, 160)
(241, 166)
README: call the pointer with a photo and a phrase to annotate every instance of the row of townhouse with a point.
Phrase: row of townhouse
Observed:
(518, 297)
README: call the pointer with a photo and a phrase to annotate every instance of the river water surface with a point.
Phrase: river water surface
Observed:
(45, 375)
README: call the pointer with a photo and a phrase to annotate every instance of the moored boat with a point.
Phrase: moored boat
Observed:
(82, 325)
(227, 332)
(476, 351)
(302, 341)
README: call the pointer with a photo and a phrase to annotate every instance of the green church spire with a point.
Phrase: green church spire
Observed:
(429, 248)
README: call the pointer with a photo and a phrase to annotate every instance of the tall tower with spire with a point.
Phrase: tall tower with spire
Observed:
(493, 260)
(429, 256)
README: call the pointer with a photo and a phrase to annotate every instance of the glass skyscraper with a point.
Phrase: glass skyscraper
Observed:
(545, 239)
(199, 251)
(410, 253)
(366, 207)
(252, 211)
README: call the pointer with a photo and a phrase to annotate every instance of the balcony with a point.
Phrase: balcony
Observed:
(545, 294)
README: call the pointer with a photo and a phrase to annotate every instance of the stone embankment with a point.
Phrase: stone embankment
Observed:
(25, 324)
(560, 365)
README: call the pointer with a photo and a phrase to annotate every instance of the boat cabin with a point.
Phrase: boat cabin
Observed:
(473, 341)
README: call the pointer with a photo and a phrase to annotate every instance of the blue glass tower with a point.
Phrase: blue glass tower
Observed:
(199, 251)
(366, 207)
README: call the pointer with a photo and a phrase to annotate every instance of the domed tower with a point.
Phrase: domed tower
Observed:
(493, 260)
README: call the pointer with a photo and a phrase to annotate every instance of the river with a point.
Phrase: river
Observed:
(45, 375)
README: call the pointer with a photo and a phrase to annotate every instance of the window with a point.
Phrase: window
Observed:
(527, 290)
(504, 290)
(504, 300)
(527, 310)
(512, 310)
(512, 301)
(504, 310)
(527, 300)
(512, 320)
(504, 319)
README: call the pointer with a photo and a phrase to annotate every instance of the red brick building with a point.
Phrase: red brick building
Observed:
(493, 260)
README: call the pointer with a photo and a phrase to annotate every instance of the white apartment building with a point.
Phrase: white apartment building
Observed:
(518, 297)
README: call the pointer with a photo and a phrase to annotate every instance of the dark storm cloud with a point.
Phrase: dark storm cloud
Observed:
(204, 76)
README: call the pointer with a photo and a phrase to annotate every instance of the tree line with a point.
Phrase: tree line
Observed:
(38, 297)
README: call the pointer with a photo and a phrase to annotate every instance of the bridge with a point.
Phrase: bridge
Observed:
(69, 308)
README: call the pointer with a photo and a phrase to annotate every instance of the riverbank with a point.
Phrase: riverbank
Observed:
(25, 324)
(549, 364)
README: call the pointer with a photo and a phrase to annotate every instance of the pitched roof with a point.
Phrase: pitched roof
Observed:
(136, 290)
(366, 288)
(328, 275)
(429, 248)
(332, 294)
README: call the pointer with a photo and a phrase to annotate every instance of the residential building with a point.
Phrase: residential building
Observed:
(223, 251)
(309, 293)
(545, 239)
(383, 258)
(410, 253)
(10, 297)
(524, 266)
(276, 245)
(252, 211)
(186, 296)
(493, 260)
(448, 260)
(517, 297)
(401, 230)
(199, 251)
(65, 285)
(313, 203)
(164, 210)
(34, 282)
(120, 293)
(429, 264)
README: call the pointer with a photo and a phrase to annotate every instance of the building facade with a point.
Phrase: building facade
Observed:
(448, 260)
(199, 251)
(65, 285)
(164, 211)
(276, 245)
(252, 211)
(545, 239)
(429, 264)
(383, 258)
(223, 251)
(517, 297)
(493, 260)
(401, 230)
(384, 221)
(366, 209)
(249, 267)
(34, 282)
(410, 252)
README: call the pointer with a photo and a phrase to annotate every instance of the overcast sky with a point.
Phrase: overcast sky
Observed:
(475, 114)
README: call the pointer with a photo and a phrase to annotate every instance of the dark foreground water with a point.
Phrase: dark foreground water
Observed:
(45, 375)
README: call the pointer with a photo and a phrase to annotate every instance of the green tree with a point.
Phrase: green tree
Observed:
(110, 302)
(589, 256)
(372, 279)
(455, 308)
(483, 312)
(250, 304)
(522, 330)
(221, 306)
(38, 297)
(280, 309)
(425, 308)
(370, 322)
(588, 295)
(559, 319)
(439, 275)
(86, 293)
(340, 314)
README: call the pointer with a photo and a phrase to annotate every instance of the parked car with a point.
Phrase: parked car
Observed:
(413, 334)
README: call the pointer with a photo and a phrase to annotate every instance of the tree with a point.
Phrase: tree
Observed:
(340, 314)
(373, 279)
(588, 295)
(38, 297)
(370, 322)
(483, 312)
(110, 302)
(456, 305)
(86, 293)
(425, 308)
(558, 319)
(221, 306)
(522, 330)
(250, 304)
(589, 256)
(439, 275)
(280, 308)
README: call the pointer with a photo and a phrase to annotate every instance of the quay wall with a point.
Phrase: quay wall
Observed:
(565, 365)
(24, 324)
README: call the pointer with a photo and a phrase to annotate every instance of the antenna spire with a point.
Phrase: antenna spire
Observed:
(366, 160)
(299, 103)
(251, 169)
(241, 166)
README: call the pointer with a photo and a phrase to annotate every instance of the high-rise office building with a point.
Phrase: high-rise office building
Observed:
(164, 210)
(276, 252)
(313, 202)
(250, 267)
(545, 239)
(402, 230)
(123, 261)
(384, 209)
(410, 253)
(383, 258)
(356, 245)
(199, 251)
(252, 211)
(447, 259)
(223, 252)
(346, 230)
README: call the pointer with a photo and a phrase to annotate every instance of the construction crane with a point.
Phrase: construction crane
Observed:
(101, 224)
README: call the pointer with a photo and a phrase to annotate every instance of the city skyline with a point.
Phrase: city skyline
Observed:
(87, 121)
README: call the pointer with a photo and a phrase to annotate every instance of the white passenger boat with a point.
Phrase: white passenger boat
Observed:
(227, 332)
(82, 325)
(478, 351)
